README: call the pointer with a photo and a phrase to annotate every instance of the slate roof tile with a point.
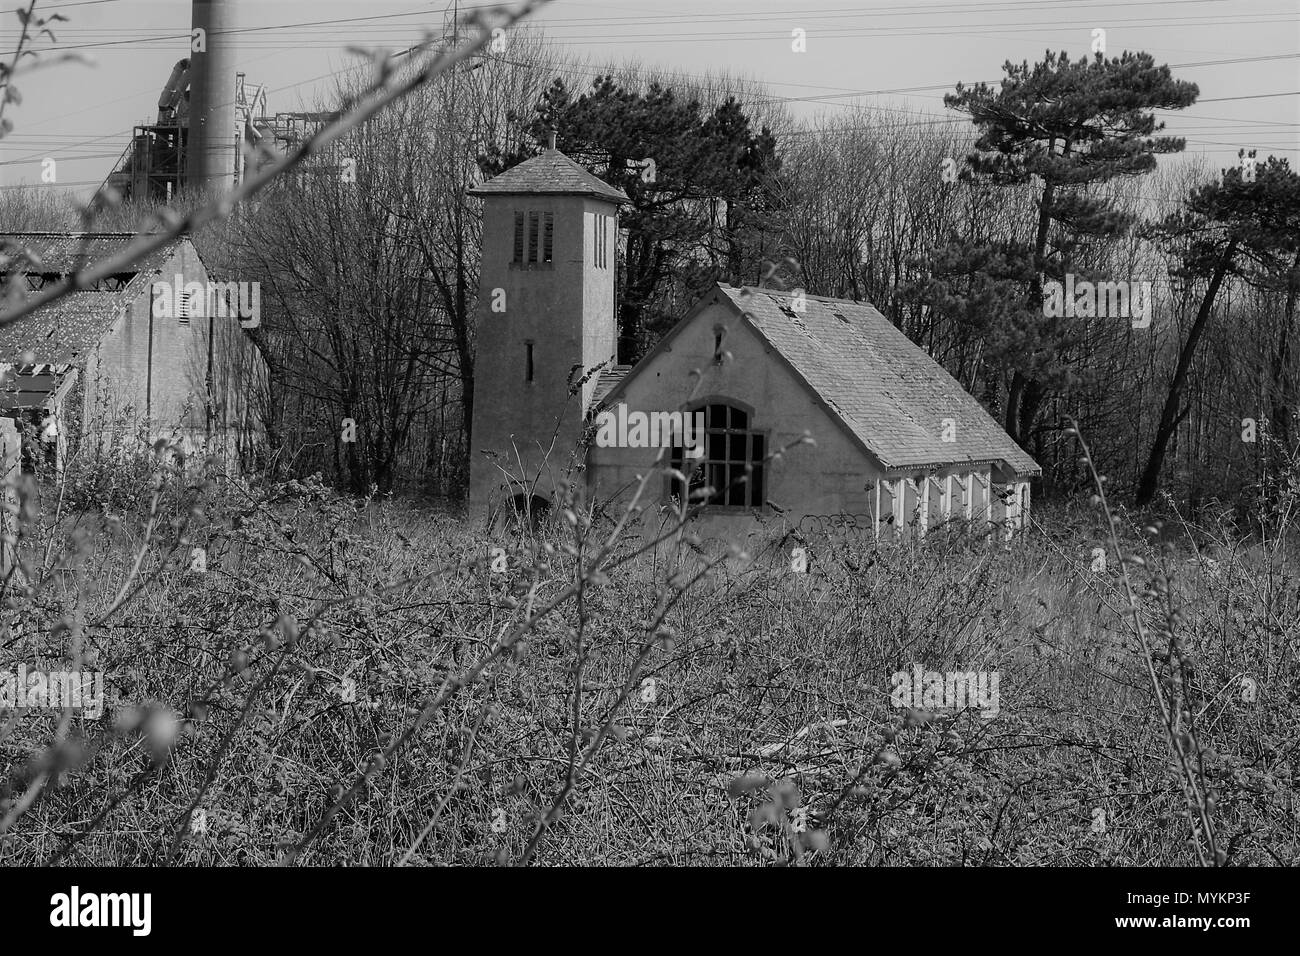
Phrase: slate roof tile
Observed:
(62, 331)
(550, 171)
(886, 389)
(68, 328)
(58, 251)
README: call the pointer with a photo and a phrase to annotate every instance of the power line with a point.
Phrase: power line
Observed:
(44, 8)
(243, 30)
(677, 36)
(826, 99)
(1255, 96)
(981, 9)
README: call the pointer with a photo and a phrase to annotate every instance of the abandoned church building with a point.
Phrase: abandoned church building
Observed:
(149, 352)
(898, 442)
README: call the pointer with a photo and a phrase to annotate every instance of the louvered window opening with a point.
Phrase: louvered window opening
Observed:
(534, 238)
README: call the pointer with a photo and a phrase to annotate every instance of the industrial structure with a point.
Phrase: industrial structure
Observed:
(156, 163)
(212, 127)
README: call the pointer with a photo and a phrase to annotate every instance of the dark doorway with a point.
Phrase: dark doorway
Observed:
(529, 511)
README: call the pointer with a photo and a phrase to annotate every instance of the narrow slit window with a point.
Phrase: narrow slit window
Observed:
(548, 235)
(528, 360)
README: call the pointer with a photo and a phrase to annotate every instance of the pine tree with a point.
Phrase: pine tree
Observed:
(1245, 226)
(1057, 128)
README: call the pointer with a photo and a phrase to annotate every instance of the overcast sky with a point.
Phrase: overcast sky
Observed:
(1244, 55)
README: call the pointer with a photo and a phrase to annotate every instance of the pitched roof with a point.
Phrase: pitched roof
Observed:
(884, 389)
(60, 252)
(63, 330)
(606, 380)
(889, 392)
(550, 171)
(69, 327)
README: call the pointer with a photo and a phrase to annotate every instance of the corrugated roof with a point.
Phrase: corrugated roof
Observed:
(549, 172)
(29, 387)
(886, 389)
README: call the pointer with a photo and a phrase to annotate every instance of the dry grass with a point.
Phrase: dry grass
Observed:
(770, 705)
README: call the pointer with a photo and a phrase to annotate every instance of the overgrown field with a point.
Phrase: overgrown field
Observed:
(352, 683)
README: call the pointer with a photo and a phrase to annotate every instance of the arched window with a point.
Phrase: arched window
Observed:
(732, 464)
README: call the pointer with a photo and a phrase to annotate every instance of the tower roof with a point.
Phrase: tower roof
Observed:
(549, 172)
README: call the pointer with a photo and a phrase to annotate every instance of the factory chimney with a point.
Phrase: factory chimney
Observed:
(212, 146)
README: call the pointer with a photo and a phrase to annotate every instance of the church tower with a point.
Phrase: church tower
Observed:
(545, 318)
